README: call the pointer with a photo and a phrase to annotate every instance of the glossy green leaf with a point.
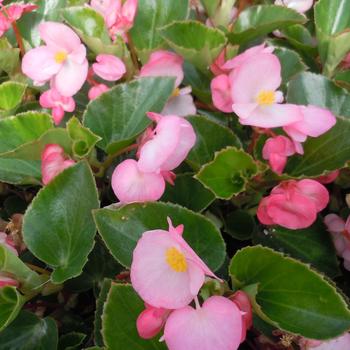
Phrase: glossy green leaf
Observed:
(152, 15)
(20, 172)
(9, 56)
(29, 332)
(119, 115)
(300, 38)
(189, 193)
(256, 21)
(343, 77)
(71, 341)
(84, 139)
(332, 20)
(228, 173)
(119, 320)
(11, 94)
(121, 227)
(312, 245)
(206, 145)
(195, 42)
(11, 302)
(289, 295)
(64, 238)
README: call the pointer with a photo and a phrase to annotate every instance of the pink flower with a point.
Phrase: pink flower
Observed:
(217, 66)
(339, 343)
(315, 122)
(151, 321)
(59, 104)
(165, 271)
(5, 24)
(276, 150)
(53, 162)
(329, 178)
(97, 90)
(169, 144)
(109, 67)
(297, 5)
(169, 64)
(221, 93)
(7, 242)
(256, 100)
(130, 184)
(7, 281)
(216, 325)
(340, 231)
(62, 61)
(293, 204)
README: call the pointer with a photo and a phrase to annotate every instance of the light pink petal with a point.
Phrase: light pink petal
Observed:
(297, 5)
(78, 55)
(57, 114)
(340, 343)
(129, 10)
(196, 277)
(315, 192)
(150, 322)
(217, 325)
(294, 133)
(259, 73)
(7, 281)
(181, 105)
(97, 90)
(70, 78)
(108, 9)
(59, 36)
(221, 93)
(109, 67)
(39, 64)
(262, 213)
(131, 185)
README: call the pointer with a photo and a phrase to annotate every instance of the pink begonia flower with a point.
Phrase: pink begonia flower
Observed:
(276, 150)
(59, 104)
(7, 242)
(151, 321)
(53, 162)
(8, 281)
(315, 122)
(329, 178)
(293, 204)
(165, 63)
(130, 184)
(172, 140)
(340, 343)
(109, 67)
(165, 270)
(62, 61)
(221, 93)
(118, 17)
(297, 5)
(256, 100)
(340, 231)
(216, 325)
(97, 90)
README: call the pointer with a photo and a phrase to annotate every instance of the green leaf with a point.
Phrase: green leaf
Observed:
(332, 20)
(119, 321)
(289, 294)
(206, 145)
(20, 172)
(228, 173)
(29, 332)
(256, 21)
(119, 115)
(71, 341)
(22, 128)
(122, 226)
(11, 94)
(11, 302)
(9, 56)
(64, 237)
(152, 15)
(195, 42)
(83, 138)
(189, 193)
(312, 245)
(13, 265)
(300, 38)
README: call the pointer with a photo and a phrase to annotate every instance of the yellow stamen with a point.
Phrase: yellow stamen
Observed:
(176, 92)
(60, 56)
(176, 260)
(266, 98)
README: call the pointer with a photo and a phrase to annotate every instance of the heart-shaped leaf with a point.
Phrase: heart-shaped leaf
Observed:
(11, 302)
(11, 94)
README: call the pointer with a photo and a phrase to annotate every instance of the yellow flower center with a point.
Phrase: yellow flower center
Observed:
(176, 92)
(60, 56)
(266, 98)
(176, 260)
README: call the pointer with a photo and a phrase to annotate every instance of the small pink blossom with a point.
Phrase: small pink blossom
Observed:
(8, 281)
(169, 144)
(293, 204)
(151, 321)
(297, 5)
(62, 61)
(7, 242)
(329, 178)
(216, 325)
(59, 104)
(165, 271)
(221, 93)
(97, 90)
(130, 184)
(53, 162)
(109, 67)
(276, 150)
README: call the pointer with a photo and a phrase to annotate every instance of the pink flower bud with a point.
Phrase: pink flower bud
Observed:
(7, 281)
(97, 90)
(329, 178)
(8, 243)
(109, 67)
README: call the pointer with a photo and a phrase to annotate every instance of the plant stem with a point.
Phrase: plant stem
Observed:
(18, 38)
(133, 53)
